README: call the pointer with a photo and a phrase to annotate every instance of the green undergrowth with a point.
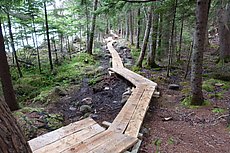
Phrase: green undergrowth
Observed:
(216, 88)
(135, 53)
(187, 103)
(34, 85)
(218, 110)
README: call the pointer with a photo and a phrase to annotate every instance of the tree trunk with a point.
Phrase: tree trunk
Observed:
(202, 9)
(180, 41)
(224, 32)
(68, 47)
(93, 25)
(13, 47)
(61, 43)
(12, 139)
(138, 28)
(5, 76)
(87, 25)
(127, 28)
(131, 27)
(36, 40)
(153, 46)
(172, 43)
(48, 38)
(146, 37)
(160, 30)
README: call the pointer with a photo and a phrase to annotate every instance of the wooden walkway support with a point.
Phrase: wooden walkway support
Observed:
(86, 136)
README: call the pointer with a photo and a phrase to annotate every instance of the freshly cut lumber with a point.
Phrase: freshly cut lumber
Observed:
(122, 120)
(68, 141)
(136, 120)
(53, 136)
(105, 142)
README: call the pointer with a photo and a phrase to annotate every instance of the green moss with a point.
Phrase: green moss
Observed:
(211, 84)
(54, 121)
(187, 102)
(218, 95)
(38, 86)
(218, 110)
(135, 69)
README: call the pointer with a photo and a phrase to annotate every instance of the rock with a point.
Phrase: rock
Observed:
(60, 91)
(145, 131)
(219, 84)
(123, 47)
(72, 108)
(106, 88)
(124, 99)
(115, 102)
(126, 95)
(100, 69)
(173, 86)
(86, 115)
(94, 116)
(87, 101)
(85, 109)
(128, 92)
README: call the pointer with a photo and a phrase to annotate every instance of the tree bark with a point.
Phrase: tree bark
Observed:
(202, 8)
(12, 46)
(181, 39)
(93, 25)
(224, 32)
(172, 42)
(127, 28)
(131, 27)
(153, 46)
(138, 28)
(5, 76)
(36, 40)
(12, 139)
(146, 37)
(48, 38)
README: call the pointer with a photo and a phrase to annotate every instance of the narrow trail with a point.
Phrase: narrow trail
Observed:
(123, 133)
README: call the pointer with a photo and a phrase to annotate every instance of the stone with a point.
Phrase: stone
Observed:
(60, 91)
(145, 131)
(126, 95)
(72, 108)
(124, 99)
(94, 116)
(173, 86)
(219, 84)
(87, 101)
(106, 88)
(85, 109)
(128, 92)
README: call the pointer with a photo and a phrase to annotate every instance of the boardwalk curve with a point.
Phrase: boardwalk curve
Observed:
(86, 136)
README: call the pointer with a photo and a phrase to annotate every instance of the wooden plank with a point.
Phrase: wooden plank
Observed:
(117, 62)
(106, 141)
(118, 143)
(121, 72)
(121, 121)
(89, 144)
(53, 136)
(136, 121)
(68, 141)
(140, 77)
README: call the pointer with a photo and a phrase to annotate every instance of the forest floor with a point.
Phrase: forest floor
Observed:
(171, 125)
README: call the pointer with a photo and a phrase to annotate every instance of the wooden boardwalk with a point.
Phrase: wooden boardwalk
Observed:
(86, 136)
